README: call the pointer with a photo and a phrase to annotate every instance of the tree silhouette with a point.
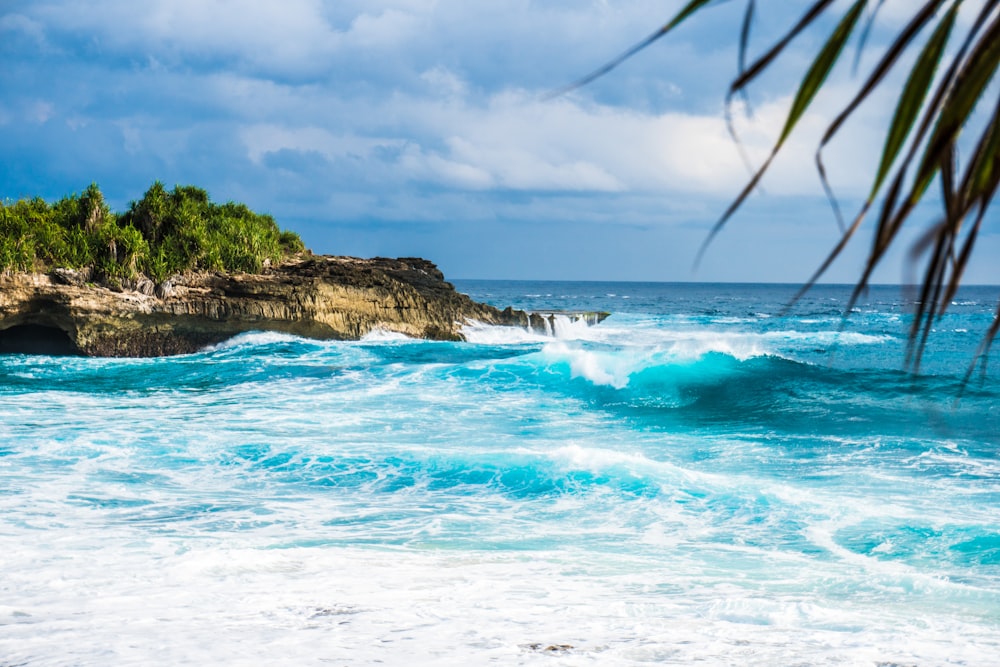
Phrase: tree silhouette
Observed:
(950, 76)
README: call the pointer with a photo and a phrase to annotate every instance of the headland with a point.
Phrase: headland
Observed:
(177, 272)
(322, 297)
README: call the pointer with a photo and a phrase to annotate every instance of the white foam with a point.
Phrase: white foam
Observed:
(696, 345)
(379, 335)
(555, 325)
(488, 334)
(829, 337)
(610, 369)
(254, 339)
(565, 328)
(599, 459)
(174, 601)
(615, 366)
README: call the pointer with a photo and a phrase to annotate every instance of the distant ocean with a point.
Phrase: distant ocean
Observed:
(698, 479)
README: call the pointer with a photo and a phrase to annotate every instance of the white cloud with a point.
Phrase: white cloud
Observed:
(131, 138)
(516, 141)
(284, 35)
(262, 139)
(316, 37)
(443, 82)
(40, 111)
(390, 27)
(25, 25)
(435, 168)
(569, 145)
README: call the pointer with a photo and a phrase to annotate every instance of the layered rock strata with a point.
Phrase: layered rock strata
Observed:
(317, 297)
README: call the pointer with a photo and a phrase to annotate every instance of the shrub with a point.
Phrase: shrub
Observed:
(159, 235)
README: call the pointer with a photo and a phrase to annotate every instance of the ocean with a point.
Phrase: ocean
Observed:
(701, 478)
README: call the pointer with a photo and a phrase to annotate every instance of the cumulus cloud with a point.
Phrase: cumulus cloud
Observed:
(517, 141)
(404, 110)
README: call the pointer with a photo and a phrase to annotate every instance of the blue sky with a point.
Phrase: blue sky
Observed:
(419, 127)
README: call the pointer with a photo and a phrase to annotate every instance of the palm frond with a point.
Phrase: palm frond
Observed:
(685, 13)
(741, 61)
(914, 93)
(810, 86)
(940, 95)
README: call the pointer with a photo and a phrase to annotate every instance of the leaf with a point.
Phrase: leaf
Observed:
(744, 41)
(821, 67)
(970, 83)
(762, 63)
(982, 354)
(810, 85)
(864, 34)
(891, 219)
(983, 168)
(837, 249)
(681, 16)
(921, 142)
(914, 93)
(887, 62)
(977, 190)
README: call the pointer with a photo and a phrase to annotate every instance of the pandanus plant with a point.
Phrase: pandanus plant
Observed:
(942, 89)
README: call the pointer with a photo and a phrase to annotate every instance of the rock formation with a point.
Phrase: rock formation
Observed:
(316, 297)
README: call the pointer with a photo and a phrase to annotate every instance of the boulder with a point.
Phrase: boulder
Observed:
(76, 277)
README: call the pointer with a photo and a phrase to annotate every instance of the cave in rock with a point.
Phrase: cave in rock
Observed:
(37, 339)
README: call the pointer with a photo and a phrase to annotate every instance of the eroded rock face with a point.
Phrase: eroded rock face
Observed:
(318, 297)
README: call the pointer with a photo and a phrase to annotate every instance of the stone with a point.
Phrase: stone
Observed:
(551, 648)
(322, 297)
(72, 276)
(145, 286)
(165, 290)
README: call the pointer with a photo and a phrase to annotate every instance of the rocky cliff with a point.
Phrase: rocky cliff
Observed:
(317, 297)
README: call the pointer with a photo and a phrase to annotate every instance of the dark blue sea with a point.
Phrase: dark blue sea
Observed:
(704, 477)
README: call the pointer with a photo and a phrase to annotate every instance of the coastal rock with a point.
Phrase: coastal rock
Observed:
(145, 286)
(165, 290)
(551, 648)
(76, 277)
(319, 297)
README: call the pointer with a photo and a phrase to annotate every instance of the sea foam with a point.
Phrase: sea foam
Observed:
(685, 482)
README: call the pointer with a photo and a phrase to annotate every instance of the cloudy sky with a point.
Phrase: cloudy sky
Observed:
(421, 127)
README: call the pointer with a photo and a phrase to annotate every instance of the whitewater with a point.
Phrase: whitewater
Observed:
(702, 477)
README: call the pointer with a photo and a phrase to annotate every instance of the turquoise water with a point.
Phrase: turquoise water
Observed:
(698, 478)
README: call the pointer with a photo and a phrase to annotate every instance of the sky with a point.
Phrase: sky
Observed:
(423, 128)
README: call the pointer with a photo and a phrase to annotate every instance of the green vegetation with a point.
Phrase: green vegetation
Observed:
(161, 234)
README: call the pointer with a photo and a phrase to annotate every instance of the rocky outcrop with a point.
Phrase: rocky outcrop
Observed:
(316, 297)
